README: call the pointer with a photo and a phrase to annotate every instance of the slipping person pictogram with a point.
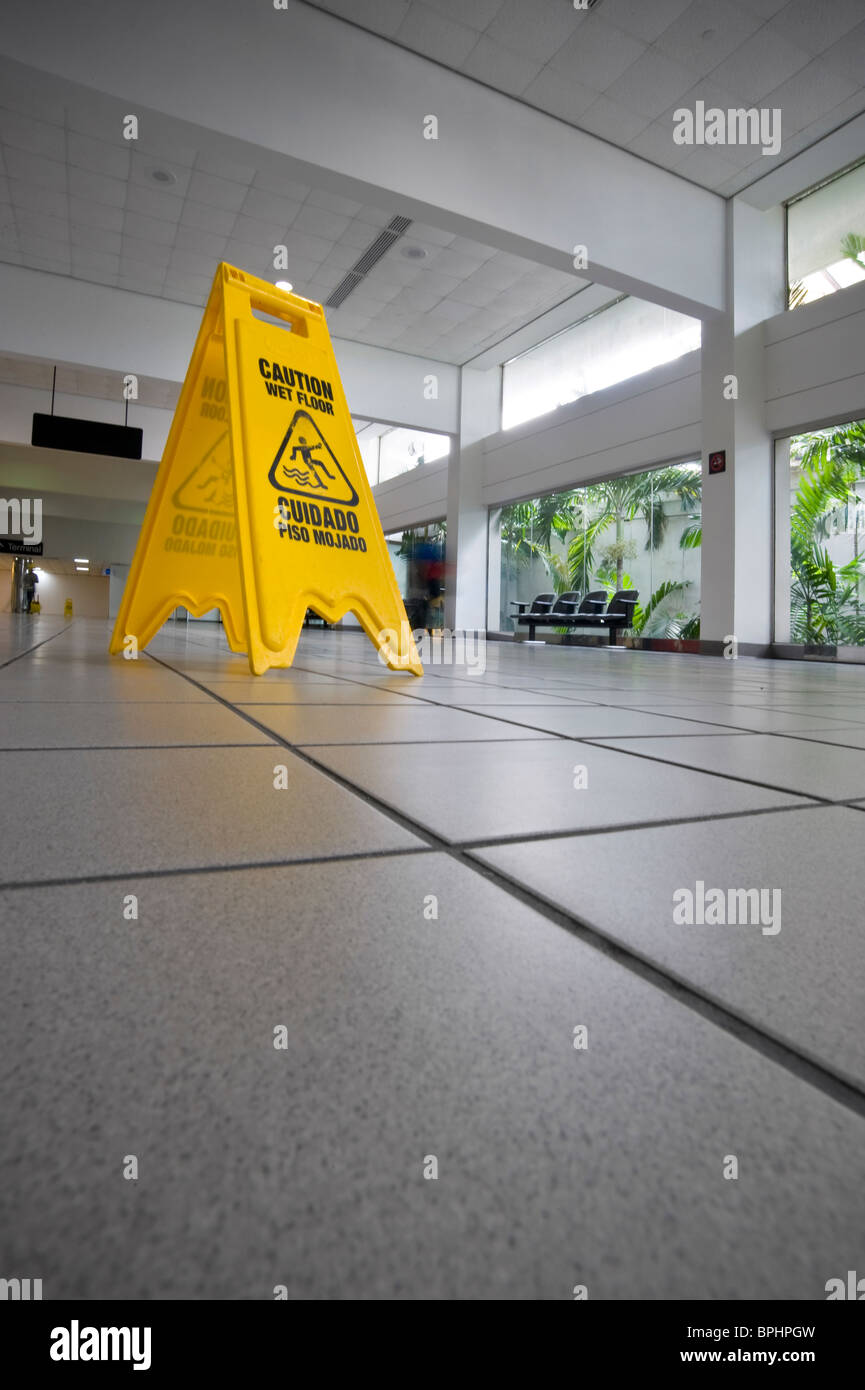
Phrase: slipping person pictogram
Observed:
(322, 478)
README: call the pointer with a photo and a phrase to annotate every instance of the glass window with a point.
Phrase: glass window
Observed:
(826, 239)
(388, 451)
(827, 537)
(628, 337)
(641, 531)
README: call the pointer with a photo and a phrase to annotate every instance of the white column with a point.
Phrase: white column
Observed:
(737, 558)
(467, 520)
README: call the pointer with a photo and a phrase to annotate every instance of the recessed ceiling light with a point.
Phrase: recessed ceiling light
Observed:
(163, 176)
(413, 253)
(79, 560)
(284, 285)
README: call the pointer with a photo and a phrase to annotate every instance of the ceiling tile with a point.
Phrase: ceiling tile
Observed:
(374, 216)
(645, 21)
(271, 207)
(811, 93)
(98, 156)
(259, 233)
(96, 238)
(37, 224)
(332, 202)
(204, 243)
(612, 121)
(220, 193)
(424, 232)
(383, 16)
(86, 214)
(57, 253)
(146, 253)
(847, 56)
(136, 286)
(34, 137)
(650, 84)
(313, 248)
(476, 13)
(536, 30)
(500, 67)
(817, 24)
(143, 270)
(152, 229)
(765, 61)
(559, 96)
(597, 54)
(98, 188)
(145, 167)
(219, 221)
(274, 181)
(26, 195)
(707, 165)
(656, 143)
(707, 33)
(89, 262)
(430, 34)
(154, 203)
(318, 222)
(340, 258)
(224, 168)
(31, 168)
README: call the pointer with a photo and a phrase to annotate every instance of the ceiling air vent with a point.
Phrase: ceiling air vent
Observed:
(371, 256)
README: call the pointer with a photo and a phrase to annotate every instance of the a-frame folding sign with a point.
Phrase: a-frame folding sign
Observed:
(261, 506)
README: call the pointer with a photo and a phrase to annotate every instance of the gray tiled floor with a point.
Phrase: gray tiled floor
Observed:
(429, 910)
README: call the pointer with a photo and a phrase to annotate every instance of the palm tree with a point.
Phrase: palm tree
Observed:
(616, 501)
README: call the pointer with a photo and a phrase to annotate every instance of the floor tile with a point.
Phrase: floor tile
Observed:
(803, 984)
(405, 1037)
(264, 692)
(122, 724)
(756, 719)
(479, 791)
(407, 722)
(126, 810)
(793, 764)
(596, 721)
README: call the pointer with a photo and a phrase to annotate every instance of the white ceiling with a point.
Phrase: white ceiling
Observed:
(76, 199)
(620, 70)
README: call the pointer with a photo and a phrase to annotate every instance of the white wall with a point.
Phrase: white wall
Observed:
(88, 592)
(413, 498)
(653, 418)
(815, 362)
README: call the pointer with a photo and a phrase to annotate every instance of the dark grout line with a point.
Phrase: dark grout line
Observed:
(130, 875)
(669, 822)
(776, 1050)
(688, 995)
(61, 632)
(711, 772)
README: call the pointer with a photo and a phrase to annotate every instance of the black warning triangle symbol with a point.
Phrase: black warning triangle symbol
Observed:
(306, 466)
(210, 486)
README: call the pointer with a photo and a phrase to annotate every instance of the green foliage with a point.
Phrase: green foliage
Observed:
(825, 598)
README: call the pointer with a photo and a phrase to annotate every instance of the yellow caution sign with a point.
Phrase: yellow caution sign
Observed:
(261, 506)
